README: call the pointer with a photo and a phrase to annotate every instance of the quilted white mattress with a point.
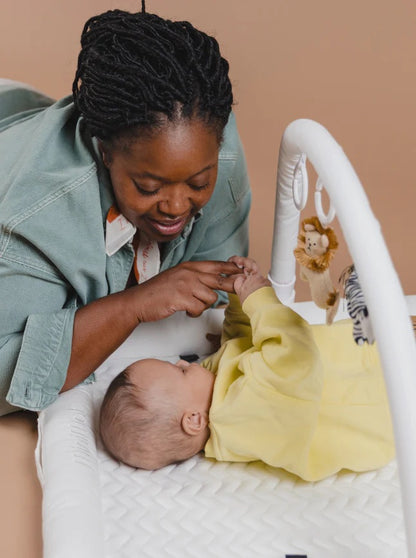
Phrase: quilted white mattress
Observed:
(94, 507)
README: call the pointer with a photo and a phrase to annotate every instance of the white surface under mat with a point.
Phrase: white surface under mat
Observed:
(94, 507)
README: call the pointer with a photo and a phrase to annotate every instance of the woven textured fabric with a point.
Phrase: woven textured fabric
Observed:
(206, 509)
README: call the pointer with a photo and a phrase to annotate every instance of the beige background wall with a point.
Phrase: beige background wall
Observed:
(349, 65)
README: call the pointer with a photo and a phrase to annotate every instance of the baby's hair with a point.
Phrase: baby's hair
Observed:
(142, 428)
(135, 70)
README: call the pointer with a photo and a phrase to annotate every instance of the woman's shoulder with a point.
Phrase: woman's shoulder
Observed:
(18, 101)
(43, 154)
(232, 181)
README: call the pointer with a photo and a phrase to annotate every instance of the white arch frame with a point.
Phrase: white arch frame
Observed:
(378, 278)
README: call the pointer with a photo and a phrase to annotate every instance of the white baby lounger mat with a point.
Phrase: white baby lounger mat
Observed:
(93, 507)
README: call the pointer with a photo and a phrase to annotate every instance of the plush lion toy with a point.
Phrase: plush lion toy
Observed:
(315, 250)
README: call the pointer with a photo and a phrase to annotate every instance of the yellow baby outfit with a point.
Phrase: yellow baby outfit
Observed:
(301, 397)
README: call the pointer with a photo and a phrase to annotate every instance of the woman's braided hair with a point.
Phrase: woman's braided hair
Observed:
(137, 69)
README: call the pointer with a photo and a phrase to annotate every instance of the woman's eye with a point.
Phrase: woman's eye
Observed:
(144, 191)
(199, 187)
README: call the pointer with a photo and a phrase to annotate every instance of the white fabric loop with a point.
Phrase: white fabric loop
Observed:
(324, 218)
(300, 183)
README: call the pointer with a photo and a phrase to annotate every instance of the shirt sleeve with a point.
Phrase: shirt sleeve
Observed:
(236, 322)
(283, 341)
(269, 411)
(52, 257)
(35, 336)
(43, 359)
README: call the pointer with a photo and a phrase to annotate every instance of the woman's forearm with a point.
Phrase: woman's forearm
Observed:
(99, 328)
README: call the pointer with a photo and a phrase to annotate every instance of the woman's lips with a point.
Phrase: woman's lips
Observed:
(168, 228)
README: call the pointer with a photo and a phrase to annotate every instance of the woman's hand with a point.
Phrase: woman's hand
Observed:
(189, 287)
(101, 326)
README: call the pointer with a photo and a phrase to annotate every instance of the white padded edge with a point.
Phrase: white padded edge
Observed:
(68, 470)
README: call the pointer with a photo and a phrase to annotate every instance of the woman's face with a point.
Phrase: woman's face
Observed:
(161, 182)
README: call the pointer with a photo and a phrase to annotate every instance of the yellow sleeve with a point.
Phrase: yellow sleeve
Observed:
(300, 397)
(236, 322)
(284, 350)
(236, 325)
(269, 411)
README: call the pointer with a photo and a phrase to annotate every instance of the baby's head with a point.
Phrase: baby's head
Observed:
(156, 413)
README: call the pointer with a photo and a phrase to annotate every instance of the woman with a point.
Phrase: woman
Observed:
(140, 177)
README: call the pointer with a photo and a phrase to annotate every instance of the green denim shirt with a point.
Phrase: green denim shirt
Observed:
(54, 197)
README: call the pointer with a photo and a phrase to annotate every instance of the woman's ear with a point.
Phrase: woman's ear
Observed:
(105, 154)
(194, 422)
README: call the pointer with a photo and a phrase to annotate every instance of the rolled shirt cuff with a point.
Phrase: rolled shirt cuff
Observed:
(43, 360)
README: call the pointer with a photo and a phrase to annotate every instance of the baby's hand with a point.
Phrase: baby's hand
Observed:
(246, 264)
(250, 280)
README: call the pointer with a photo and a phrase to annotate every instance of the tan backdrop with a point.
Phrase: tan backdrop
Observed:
(349, 65)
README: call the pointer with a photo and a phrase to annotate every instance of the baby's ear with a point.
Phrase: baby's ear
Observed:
(194, 422)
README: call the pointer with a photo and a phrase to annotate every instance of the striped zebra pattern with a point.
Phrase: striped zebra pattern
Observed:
(356, 307)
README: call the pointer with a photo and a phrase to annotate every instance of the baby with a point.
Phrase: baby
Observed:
(301, 397)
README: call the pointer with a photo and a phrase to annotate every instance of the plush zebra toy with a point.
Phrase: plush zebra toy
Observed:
(356, 307)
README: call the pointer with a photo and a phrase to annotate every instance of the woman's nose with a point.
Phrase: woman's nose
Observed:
(176, 202)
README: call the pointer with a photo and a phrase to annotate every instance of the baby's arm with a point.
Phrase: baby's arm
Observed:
(276, 378)
(236, 322)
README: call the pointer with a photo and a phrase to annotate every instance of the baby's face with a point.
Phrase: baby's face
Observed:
(189, 384)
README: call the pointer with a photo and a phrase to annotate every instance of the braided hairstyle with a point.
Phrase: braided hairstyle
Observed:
(137, 70)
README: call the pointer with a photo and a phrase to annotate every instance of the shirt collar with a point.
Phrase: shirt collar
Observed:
(118, 231)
